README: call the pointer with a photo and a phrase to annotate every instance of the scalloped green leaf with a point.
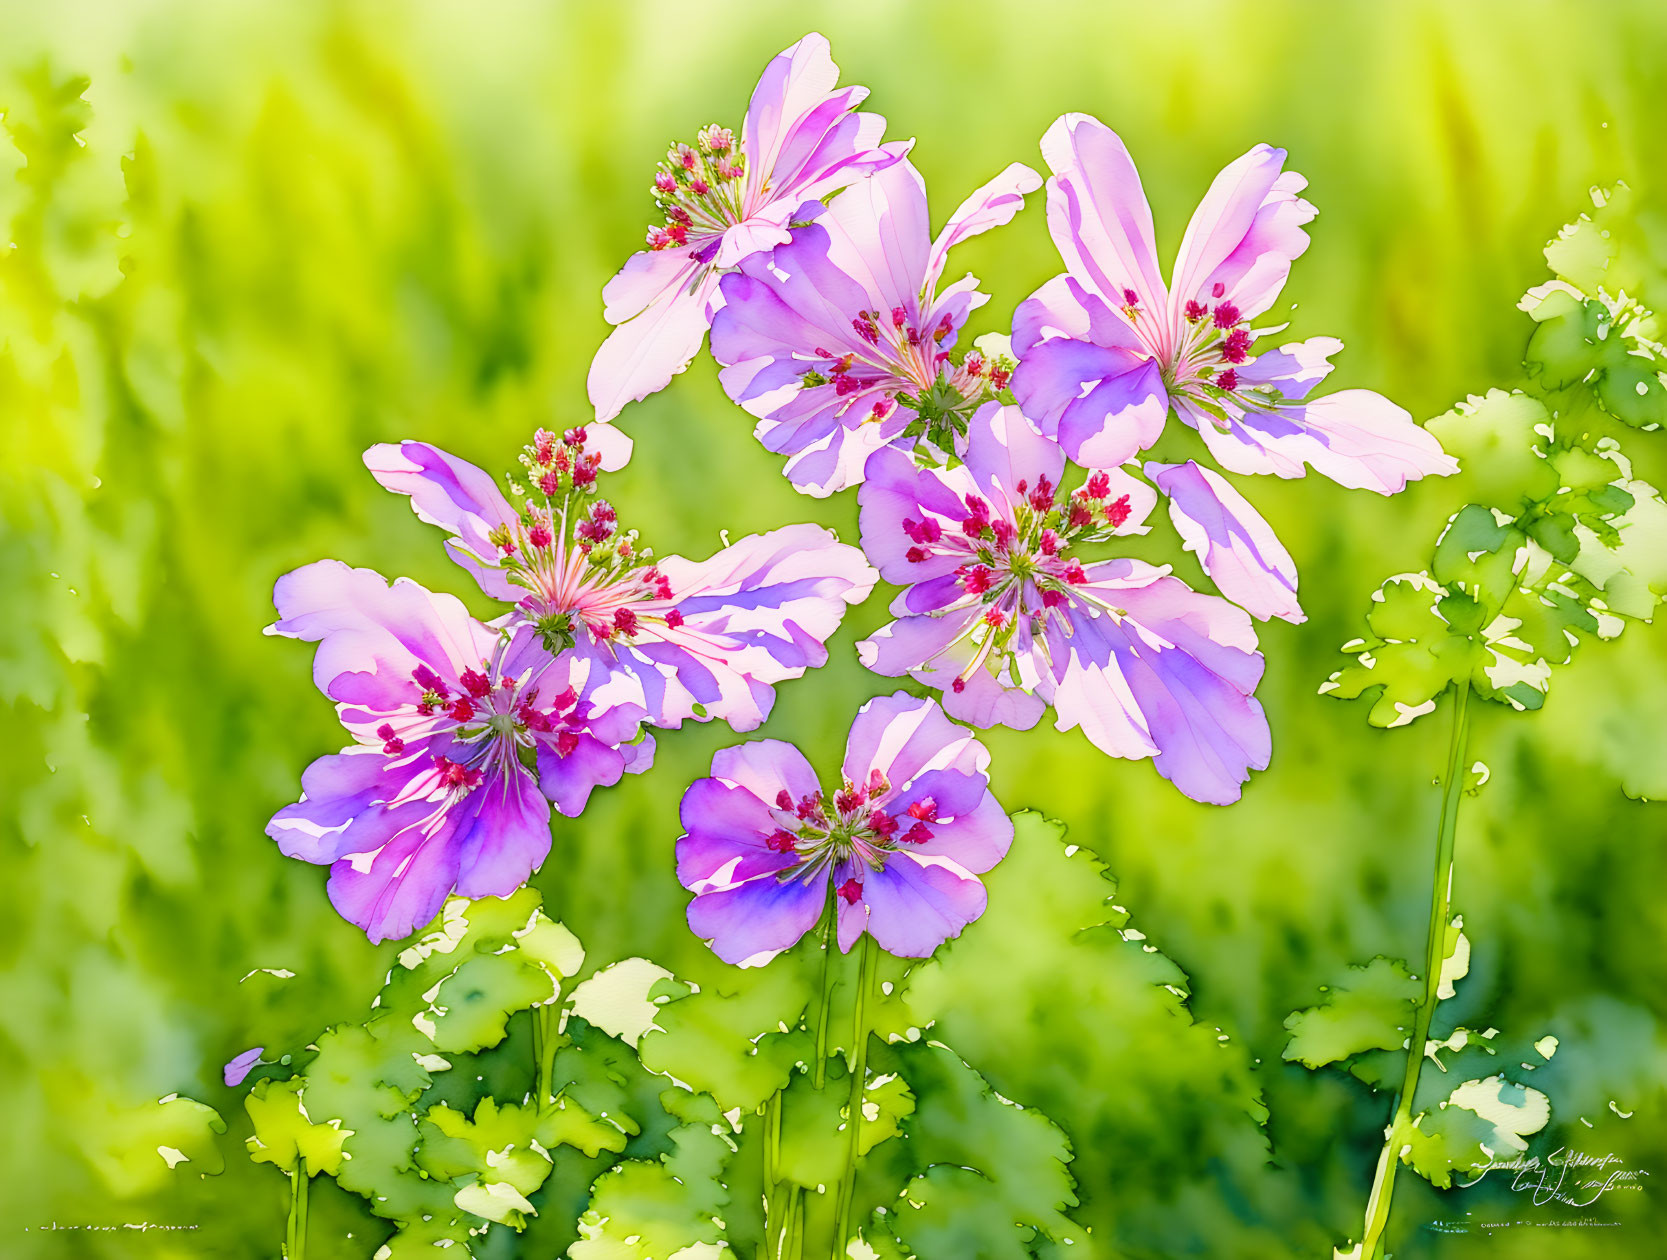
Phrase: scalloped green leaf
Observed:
(284, 1132)
(1370, 1009)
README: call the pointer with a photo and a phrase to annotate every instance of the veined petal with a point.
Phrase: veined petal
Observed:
(764, 767)
(371, 635)
(1357, 438)
(569, 778)
(905, 737)
(1167, 677)
(407, 881)
(726, 827)
(1098, 213)
(991, 206)
(915, 905)
(503, 834)
(759, 916)
(794, 84)
(1003, 449)
(1244, 235)
(1236, 547)
(642, 354)
(457, 496)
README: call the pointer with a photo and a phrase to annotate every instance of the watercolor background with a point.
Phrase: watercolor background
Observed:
(249, 241)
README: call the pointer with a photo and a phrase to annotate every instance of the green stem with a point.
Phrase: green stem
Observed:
(859, 1077)
(773, 1223)
(1435, 954)
(819, 1068)
(544, 1050)
(295, 1236)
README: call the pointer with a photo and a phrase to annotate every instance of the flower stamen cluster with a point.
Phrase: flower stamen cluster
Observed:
(567, 551)
(699, 190)
(1015, 566)
(825, 836)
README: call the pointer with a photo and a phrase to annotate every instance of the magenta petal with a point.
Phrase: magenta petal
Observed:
(403, 886)
(975, 841)
(452, 493)
(760, 916)
(1098, 214)
(1357, 438)
(569, 780)
(991, 206)
(1244, 235)
(238, 1068)
(371, 635)
(914, 907)
(726, 833)
(794, 83)
(1172, 678)
(340, 812)
(765, 767)
(1120, 417)
(503, 835)
(1004, 448)
(905, 737)
(1236, 547)
(911, 644)
(641, 356)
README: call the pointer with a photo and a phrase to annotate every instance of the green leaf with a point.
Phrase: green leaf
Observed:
(739, 1037)
(650, 1209)
(1371, 1009)
(285, 1132)
(1481, 1120)
(1497, 439)
(1016, 1157)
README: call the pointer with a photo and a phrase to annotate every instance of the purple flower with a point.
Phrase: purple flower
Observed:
(1106, 349)
(1000, 614)
(839, 341)
(897, 848)
(802, 141)
(701, 639)
(238, 1068)
(432, 797)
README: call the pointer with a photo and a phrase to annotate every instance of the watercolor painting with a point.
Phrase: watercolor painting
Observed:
(878, 631)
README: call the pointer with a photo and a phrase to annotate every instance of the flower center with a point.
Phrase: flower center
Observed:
(701, 191)
(567, 551)
(855, 831)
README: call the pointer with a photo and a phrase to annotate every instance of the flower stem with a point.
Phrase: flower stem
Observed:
(1435, 954)
(859, 1076)
(774, 1225)
(544, 1051)
(819, 1068)
(295, 1239)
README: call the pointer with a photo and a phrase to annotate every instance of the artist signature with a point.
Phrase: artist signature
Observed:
(141, 1226)
(1574, 1178)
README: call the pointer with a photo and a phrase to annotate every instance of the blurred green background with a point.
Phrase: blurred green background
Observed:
(249, 240)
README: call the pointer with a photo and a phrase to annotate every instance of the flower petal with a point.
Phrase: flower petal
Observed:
(503, 834)
(1244, 235)
(916, 905)
(991, 206)
(1236, 547)
(1359, 439)
(760, 916)
(457, 496)
(904, 737)
(1098, 214)
(371, 635)
(643, 353)
(1172, 677)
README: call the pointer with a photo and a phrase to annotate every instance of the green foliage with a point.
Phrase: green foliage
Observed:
(1370, 1010)
(1561, 541)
